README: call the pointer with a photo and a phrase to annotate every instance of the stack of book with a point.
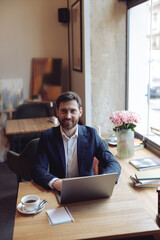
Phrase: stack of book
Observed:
(145, 163)
(146, 179)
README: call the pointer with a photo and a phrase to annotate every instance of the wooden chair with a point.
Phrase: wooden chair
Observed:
(97, 167)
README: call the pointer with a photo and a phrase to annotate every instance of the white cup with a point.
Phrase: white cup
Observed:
(55, 120)
(30, 203)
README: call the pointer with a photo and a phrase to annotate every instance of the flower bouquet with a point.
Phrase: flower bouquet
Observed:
(124, 120)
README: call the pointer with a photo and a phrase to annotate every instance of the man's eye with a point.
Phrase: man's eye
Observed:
(73, 111)
(63, 111)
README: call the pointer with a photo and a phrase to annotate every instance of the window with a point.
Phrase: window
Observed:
(143, 81)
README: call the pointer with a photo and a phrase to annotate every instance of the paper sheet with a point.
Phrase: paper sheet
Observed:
(59, 215)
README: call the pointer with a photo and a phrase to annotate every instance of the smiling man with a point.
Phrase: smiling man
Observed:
(69, 149)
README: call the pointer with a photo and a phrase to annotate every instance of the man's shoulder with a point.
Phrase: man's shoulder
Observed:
(52, 130)
(86, 129)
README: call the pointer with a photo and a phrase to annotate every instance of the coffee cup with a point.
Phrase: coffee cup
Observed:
(55, 120)
(30, 203)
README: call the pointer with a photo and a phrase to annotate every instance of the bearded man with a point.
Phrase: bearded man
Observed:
(68, 150)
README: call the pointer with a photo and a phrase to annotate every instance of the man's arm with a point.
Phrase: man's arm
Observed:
(57, 184)
(40, 171)
(106, 158)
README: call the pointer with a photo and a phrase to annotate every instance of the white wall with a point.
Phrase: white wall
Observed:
(108, 60)
(30, 28)
(102, 82)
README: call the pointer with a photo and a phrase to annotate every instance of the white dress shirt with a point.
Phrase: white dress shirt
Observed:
(70, 149)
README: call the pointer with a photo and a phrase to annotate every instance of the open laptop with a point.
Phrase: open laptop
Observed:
(86, 188)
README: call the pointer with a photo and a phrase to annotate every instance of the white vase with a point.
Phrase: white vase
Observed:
(125, 143)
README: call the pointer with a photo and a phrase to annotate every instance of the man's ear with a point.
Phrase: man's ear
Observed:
(56, 112)
(81, 111)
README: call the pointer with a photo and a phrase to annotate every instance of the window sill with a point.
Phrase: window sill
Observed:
(151, 142)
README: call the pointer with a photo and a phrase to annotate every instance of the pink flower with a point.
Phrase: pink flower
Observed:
(124, 119)
(118, 122)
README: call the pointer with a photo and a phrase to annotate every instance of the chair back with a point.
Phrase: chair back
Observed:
(29, 110)
(22, 164)
(33, 110)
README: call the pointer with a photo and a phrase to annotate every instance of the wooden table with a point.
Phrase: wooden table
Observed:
(147, 196)
(30, 125)
(8, 112)
(119, 216)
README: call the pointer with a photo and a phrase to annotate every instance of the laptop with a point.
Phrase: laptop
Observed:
(86, 188)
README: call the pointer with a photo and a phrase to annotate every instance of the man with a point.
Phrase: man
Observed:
(69, 149)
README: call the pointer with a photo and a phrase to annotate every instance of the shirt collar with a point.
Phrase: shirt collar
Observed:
(64, 135)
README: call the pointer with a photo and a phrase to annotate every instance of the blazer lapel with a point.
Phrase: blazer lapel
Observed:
(61, 148)
(81, 146)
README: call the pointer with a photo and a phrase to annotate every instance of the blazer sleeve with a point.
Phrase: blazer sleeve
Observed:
(106, 158)
(40, 172)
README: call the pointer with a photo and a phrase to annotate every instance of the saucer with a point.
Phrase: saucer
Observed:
(19, 208)
(112, 140)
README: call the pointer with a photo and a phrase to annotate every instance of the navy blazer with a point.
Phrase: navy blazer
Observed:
(50, 160)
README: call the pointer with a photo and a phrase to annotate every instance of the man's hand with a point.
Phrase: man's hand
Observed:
(58, 184)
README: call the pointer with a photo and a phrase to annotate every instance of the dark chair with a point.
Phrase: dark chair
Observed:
(33, 110)
(22, 164)
(29, 110)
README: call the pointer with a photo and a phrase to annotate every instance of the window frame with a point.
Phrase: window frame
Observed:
(133, 3)
(149, 144)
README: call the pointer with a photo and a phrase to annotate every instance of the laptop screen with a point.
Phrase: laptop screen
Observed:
(87, 188)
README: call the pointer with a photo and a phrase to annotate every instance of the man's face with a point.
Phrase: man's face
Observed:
(68, 114)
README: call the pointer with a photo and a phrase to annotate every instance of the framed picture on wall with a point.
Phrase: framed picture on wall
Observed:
(46, 78)
(76, 16)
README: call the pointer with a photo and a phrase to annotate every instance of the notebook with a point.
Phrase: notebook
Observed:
(86, 188)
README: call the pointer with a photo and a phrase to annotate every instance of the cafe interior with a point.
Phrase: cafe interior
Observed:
(49, 47)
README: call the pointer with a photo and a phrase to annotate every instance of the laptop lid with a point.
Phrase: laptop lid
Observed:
(87, 188)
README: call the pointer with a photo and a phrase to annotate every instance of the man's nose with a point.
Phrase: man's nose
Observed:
(68, 114)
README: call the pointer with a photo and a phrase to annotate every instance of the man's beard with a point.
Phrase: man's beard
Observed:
(68, 124)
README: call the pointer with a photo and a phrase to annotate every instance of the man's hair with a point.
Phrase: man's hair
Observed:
(68, 96)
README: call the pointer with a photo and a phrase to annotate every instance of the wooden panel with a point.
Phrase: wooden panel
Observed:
(46, 78)
(40, 66)
(52, 92)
